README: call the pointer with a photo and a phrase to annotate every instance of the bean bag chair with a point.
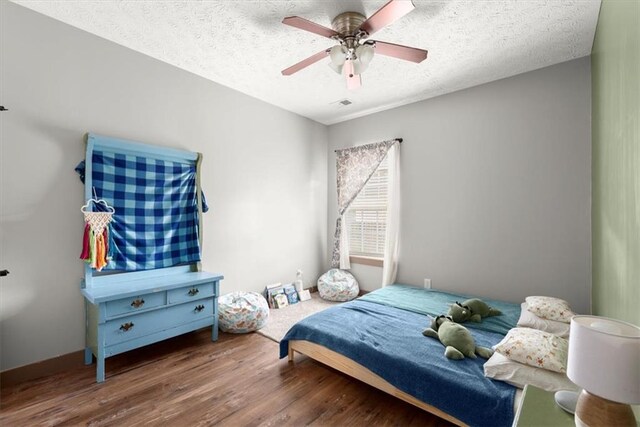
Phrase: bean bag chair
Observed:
(242, 312)
(338, 285)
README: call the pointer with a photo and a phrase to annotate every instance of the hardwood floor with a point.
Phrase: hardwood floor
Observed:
(188, 380)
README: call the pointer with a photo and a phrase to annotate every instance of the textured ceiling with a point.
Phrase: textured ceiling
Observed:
(243, 44)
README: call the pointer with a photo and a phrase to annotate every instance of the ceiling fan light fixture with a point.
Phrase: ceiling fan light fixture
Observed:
(359, 67)
(364, 53)
(334, 67)
(355, 51)
(338, 54)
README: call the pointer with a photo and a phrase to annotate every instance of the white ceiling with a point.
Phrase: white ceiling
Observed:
(243, 44)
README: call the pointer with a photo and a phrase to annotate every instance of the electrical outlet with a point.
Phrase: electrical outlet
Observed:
(427, 283)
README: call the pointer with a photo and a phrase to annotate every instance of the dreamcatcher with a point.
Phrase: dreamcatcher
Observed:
(97, 242)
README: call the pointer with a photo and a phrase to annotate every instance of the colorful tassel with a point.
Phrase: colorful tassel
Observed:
(85, 242)
(92, 250)
(100, 253)
(105, 239)
(97, 248)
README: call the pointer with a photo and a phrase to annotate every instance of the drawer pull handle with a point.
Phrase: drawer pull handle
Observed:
(126, 326)
(198, 308)
(193, 291)
(137, 303)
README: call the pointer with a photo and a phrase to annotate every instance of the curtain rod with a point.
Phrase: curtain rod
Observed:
(397, 139)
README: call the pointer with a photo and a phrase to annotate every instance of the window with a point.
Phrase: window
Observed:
(367, 217)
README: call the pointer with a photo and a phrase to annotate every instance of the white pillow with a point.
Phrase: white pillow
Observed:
(530, 320)
(550, 308)
(501, 368)
(535, 348)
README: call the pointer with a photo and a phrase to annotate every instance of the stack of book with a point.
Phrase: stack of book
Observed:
(279, 295)
(290, 292)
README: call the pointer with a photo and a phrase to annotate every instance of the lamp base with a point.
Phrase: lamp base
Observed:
(567, 400)
(592, 411)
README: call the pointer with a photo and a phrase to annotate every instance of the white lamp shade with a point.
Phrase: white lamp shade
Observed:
(359, 67)
(336, 68)
(604, 358)
(364, 53)
(338, 55)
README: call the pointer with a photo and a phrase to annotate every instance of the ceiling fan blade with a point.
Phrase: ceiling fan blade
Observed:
(303, 24)
(387, 14)
(407, 53)
(353, 80)
(305, 62)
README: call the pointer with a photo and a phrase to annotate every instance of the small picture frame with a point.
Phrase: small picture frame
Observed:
(305, 295)
(281, 300)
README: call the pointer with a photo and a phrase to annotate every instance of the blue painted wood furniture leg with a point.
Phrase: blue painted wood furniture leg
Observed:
(214, 328)
(88, 356)
(214, 333)
(100, 370)
(100, 355)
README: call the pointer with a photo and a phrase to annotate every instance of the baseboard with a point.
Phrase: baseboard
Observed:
(40, 369)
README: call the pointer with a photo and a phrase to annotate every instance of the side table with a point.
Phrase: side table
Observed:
(538, 408)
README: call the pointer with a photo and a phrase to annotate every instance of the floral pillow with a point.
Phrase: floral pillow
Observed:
(518, 374)
(529, 320)
(550, 308)
(535, 348)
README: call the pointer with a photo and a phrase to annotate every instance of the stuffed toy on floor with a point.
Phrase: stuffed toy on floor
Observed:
(457, 339)
(473, 310)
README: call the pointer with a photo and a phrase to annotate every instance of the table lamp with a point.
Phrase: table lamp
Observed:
(604, 359)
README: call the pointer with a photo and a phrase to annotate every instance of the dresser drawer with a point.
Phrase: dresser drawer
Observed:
(137, 303)
(139, 325)
(189, 293)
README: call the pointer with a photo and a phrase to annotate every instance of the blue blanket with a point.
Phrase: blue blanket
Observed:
(155, 224)
(389, 342)
(434, 303)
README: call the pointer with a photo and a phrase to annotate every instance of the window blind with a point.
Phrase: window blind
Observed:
(367, 216)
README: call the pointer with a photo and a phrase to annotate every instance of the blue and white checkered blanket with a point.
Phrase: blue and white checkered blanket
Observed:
(156, 214)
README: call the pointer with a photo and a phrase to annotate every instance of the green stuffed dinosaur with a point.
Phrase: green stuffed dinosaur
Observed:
(472, 310)
(457, 339)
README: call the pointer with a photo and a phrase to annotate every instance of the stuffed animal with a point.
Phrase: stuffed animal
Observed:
(472, 309)
(460, 314)
(480, 307)
(457, 339)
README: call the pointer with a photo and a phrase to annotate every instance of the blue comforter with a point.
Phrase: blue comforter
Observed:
(433, 303)
(389, 342)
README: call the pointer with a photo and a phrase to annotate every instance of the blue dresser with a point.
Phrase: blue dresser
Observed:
(150, 286)
(127, 311)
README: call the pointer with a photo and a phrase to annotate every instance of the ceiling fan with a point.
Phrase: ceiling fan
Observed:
(354, 52)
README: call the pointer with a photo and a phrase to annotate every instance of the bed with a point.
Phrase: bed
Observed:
(378, 339)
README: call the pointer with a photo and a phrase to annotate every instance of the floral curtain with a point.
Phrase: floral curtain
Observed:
(354, 167)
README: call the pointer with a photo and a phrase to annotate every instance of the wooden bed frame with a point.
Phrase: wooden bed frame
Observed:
(355, 370)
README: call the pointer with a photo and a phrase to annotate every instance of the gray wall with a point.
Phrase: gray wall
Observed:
(495, 178)
(495, 186)
(264, 173)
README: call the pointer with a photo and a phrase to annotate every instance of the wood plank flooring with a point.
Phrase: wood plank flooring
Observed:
(190, 381)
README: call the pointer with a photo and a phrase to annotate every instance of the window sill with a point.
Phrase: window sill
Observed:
(366, 260)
